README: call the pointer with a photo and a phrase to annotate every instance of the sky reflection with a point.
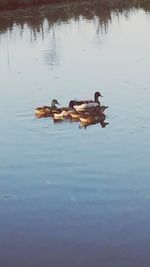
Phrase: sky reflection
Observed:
(65, 191)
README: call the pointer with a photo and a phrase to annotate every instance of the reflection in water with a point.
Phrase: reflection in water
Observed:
(91, 119)
(101, 10)
(77, 197)
(42, 20)
(50, 54)
(99, 119)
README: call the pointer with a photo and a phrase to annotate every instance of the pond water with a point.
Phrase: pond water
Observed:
(70, 196)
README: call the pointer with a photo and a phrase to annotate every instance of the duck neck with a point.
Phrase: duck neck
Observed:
(98, 102)
(53, 104)
(96, 98)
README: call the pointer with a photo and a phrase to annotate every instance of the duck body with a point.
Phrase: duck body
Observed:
(62, 115)
(91, 112)
(85, 104)
(47, 111)
(74, 114)
(66, 109)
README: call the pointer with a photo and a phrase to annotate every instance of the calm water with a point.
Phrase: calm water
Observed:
(73, 197)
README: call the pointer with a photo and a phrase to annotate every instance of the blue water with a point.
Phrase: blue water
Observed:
(68, 196)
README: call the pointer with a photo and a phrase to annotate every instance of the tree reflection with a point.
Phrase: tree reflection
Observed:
(58, 13)
(50, 54)
(41, 20)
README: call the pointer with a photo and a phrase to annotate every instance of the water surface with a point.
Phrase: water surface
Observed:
(70, 196)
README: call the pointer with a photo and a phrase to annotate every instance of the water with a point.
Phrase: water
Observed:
(70, 196)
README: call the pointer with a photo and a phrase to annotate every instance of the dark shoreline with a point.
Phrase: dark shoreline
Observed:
(16, 4)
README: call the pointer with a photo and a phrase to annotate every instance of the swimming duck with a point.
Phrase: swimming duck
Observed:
(94, 110)
(47, 111)
(90, 112)
(62, 115)
(74, 114)
(66, 109)
(85, 104)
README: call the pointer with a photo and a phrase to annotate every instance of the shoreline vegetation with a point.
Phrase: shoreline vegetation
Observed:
(16, 4)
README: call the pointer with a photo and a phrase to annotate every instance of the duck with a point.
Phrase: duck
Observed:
(94, 110)
(62, 115)
(91, 112)
(86, 104)
(47, 111)
(66, 109)
(74, 114)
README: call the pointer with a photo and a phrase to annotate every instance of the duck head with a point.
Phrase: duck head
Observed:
(54, 103)
(96, 96)
(72, 103)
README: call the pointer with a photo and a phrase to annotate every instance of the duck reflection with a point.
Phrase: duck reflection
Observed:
(99, 120)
